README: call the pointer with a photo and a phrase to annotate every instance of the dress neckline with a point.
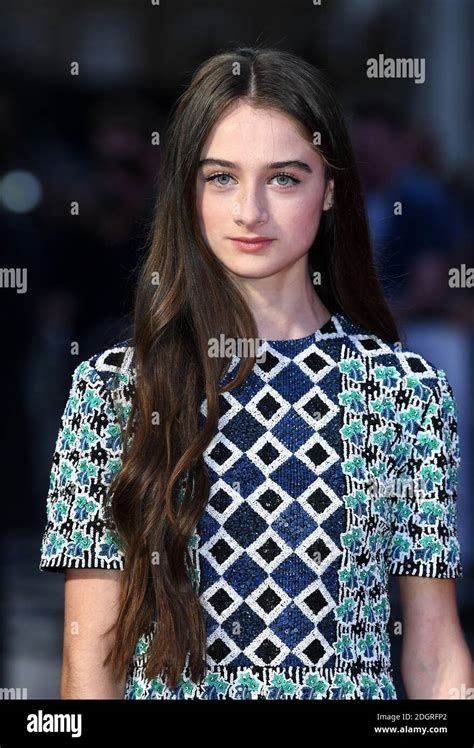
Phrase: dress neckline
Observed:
(326, 329)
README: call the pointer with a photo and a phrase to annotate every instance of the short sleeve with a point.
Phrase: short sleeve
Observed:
(87, 455)
(423, 510)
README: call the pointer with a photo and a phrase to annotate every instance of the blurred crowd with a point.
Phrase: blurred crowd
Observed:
(421, 219)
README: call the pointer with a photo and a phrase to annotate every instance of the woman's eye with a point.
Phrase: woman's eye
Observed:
(216, 179)
(286, 176)
(213, 178)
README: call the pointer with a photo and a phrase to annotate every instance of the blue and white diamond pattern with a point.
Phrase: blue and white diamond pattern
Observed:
(262, 583)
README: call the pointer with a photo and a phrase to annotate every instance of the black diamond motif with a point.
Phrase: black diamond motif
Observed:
(270, 500)
(268, 453)
(270, 362)
(220, 601)
(220, 501)
(314, 651)
(218, 650)
(224, 406)
(318, 501)
(416, 365)
(267, 651)
(369, 344)
(269, 550)
(316, 602)
(114, 359)
(316, 408)
(268, 600)
(268, 406)
(220, 453)
(221, 551)
(318, 550)
(317, 454)
(315, 362)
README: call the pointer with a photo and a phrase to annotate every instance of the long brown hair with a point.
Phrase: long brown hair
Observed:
(185, 297)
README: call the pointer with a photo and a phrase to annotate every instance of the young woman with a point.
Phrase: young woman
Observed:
(233, 485)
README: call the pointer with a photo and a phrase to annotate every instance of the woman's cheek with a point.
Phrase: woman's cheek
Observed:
(302, 219)
(214, 212)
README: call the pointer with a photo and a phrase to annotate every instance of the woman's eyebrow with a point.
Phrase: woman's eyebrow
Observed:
(295, 163)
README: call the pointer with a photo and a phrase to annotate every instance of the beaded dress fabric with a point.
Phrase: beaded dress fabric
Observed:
(334, 466)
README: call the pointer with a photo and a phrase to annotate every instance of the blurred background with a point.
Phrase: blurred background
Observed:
(85, 138)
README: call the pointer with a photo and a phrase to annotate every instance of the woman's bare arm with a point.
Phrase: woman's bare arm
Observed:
(436, 662)
(90, 607)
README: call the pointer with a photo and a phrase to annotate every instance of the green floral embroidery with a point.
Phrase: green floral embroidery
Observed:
(388, 375)
(355, 467)
(357, 502)
(353, 367)
(248, 681)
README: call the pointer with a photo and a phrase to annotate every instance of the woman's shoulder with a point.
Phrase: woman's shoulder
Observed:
(102, 386)
(110, 368)
(391, 363)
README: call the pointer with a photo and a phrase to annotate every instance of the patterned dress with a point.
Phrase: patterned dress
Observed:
(334, 465)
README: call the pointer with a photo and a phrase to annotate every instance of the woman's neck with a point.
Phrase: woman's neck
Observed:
(286, 313)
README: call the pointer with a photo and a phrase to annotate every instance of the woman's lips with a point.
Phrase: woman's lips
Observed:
(251, 246)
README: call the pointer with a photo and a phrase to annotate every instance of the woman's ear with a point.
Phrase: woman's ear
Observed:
(329, 195)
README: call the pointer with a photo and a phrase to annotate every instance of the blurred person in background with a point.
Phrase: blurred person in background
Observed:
(417, 225)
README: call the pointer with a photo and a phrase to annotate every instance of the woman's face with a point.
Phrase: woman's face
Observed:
(255, 194)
